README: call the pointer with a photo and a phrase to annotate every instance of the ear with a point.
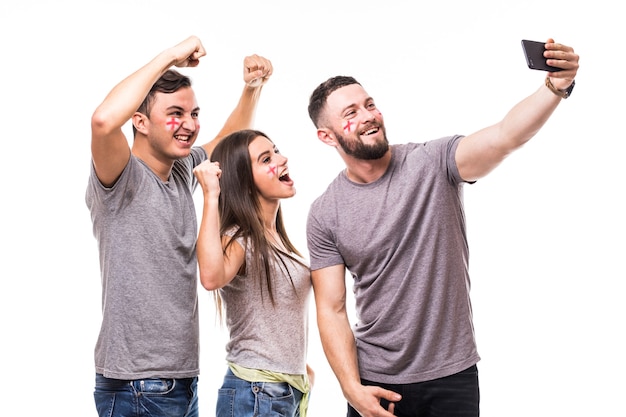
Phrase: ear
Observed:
(140, 122)
(326, 136)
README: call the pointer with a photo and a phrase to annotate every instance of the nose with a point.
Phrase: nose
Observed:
(188, 122)
(370, 114)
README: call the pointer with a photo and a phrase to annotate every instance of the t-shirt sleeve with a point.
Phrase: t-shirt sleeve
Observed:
(450, 160)
(321, 242)
(183, 168)
(240, 239)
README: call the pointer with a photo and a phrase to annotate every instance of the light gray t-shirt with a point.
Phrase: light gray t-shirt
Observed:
(403, 239)
(265, 336)
(146, 231)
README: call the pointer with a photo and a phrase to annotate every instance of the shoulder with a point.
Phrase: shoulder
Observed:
(429, 145)
(231, 233)
(439, 149)
(196, 156)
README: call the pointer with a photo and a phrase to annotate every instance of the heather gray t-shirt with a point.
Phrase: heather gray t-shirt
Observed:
(146, 231)
(403, 240)
(265, 336)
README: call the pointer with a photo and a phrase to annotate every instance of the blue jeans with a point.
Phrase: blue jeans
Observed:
(451, 396)
(239, 398)
(146, 397)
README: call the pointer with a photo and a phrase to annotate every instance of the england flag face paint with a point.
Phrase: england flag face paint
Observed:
(173, 123)
(347, 127)
(271, 171)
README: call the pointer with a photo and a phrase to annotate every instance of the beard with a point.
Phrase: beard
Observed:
(357, 149)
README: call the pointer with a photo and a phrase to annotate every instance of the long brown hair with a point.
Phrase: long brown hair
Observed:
(240, 209)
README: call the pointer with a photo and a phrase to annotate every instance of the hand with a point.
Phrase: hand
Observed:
(188, 52)
(208, 174)
(367, 401)
(561, 56)
(256, 70)
(311, 375)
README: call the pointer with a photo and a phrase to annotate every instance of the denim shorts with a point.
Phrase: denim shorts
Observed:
(241, 398)
(146, 397)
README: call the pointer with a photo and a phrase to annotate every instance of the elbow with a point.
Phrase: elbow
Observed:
(101, 123)
(209, 285)
(98, 120)
(209, 281)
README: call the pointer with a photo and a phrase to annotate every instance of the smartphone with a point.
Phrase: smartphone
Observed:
(534, 56)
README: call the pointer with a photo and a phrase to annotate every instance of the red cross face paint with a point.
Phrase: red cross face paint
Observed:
(347, 127)
(173, 123)
(271, 171)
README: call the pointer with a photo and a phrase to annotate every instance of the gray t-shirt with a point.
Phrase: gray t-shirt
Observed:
(146, 231)
(403, 239)
(265, 336)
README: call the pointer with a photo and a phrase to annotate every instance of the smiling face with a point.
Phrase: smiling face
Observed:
(356, 123)
(269, 170)
(172, 126)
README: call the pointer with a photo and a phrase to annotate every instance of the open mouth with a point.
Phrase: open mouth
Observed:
(370, 131)
(182, 138)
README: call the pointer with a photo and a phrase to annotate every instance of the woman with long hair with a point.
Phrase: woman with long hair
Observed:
(260, 281)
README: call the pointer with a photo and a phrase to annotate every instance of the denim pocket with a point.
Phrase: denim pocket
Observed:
(225, 406)
(276, 389)
(154, 386)
(277, 399)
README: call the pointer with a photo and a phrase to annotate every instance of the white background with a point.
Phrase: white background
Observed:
(546, 229)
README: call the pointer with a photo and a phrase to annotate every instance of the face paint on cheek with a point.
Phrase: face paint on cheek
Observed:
(173, 123)
(271, 171)
(347, 128)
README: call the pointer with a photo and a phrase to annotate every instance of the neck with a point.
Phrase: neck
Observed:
(365, 171)
(269, 211)
(161, 168)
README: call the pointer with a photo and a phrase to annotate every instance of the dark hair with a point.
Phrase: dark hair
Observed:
(240, 208)
(170, 82)
(318, 98)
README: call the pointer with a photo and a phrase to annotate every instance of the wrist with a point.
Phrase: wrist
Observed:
(561, 93)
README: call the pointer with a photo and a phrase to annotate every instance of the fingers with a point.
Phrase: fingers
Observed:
(188, 52)
(208, 169)
(311, 375)
(562, 56)
(388, 395)
(392, 397)
(208, 174)
(256, 70)
(368, 401)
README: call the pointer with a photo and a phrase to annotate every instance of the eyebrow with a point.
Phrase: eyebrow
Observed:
(351, 105)
(262, 154)
(348, 107)
(197, 109)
